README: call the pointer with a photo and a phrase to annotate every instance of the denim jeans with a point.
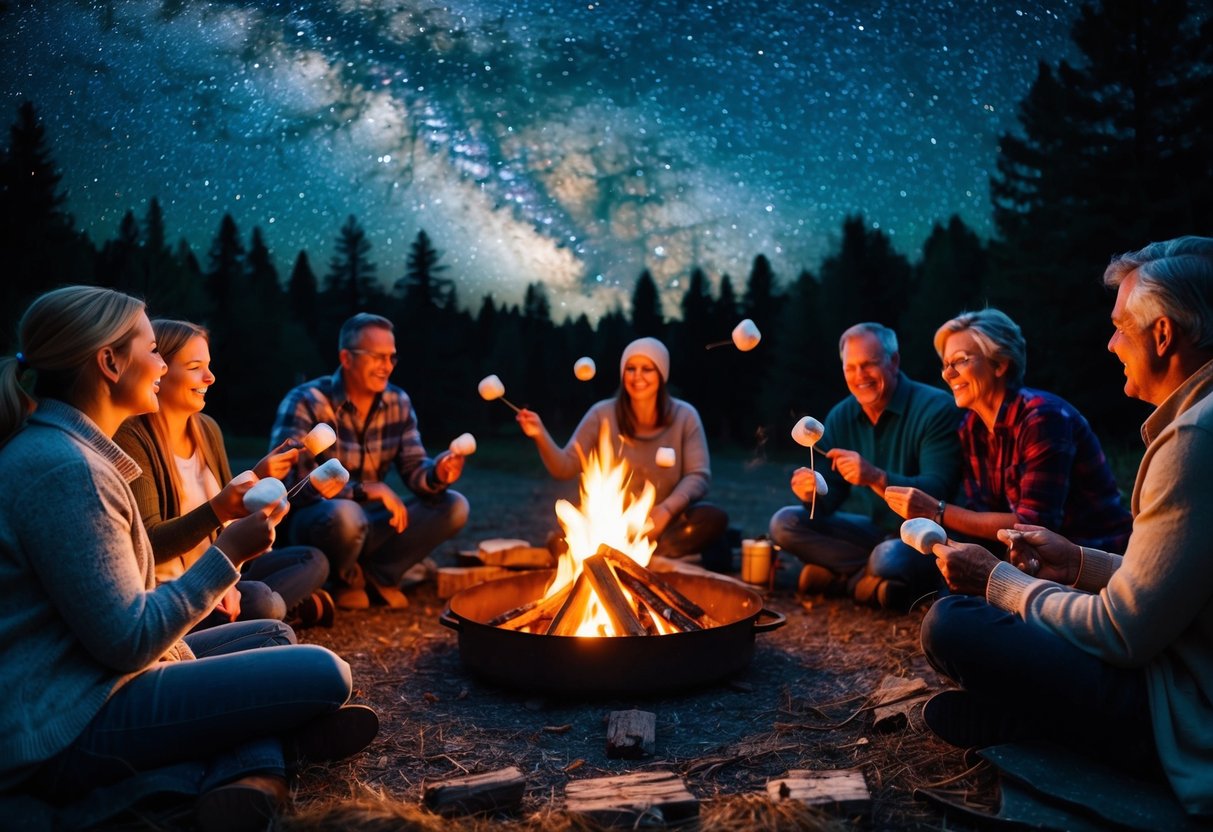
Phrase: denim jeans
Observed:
(250, 686)
(273, 584)
(840, 542)
(1022, 669)
(359, 536)
(894, 560)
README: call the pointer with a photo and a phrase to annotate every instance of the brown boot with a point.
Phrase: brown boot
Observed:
(249, 804)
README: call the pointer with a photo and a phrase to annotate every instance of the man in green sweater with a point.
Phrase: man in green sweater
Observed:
(889, 431)
(1111, 654)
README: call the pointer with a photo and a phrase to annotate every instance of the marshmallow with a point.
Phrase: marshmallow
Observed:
(665, 457)
(265, 493)
(319, 438)
(922, 533)
(490, 388)
(243, 477)
(822, 488)
(328, 472)
(464, 444)
(584, 369)
(807, 431)
(746, 335)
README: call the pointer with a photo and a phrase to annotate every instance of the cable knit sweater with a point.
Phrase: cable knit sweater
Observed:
(1153, 607)
(80, 613)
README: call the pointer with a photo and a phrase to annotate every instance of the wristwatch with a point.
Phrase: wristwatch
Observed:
(359, 492)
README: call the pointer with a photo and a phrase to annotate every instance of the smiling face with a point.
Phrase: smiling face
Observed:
(1134, 346)
(183, 388)
(871, 375)
(641, 379)
(368, 364)
(140, 368)
(977, 382)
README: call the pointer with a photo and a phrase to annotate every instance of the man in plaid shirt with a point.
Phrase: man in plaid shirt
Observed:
(369, 533)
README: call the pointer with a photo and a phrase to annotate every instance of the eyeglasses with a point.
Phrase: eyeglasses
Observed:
(389, 358)
(956, 363)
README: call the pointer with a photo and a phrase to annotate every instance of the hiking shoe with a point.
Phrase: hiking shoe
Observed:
(337, 734)
(317, 610)
(387, 593)
(351, 598)
(814, 579)
(959, 718)
(249, 804)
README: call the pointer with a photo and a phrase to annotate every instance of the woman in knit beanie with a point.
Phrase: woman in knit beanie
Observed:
(645, 423)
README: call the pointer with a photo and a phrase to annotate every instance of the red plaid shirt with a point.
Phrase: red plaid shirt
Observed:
(1043, 463)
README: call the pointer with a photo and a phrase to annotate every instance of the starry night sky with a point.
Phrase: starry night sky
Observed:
(570, 142)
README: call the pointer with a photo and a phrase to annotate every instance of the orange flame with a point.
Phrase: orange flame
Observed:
(608, 514)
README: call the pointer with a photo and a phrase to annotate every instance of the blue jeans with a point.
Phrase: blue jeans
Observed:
(359, 536)
(1019, 668)
(840, 542)
(274, 583)
(250, 686)
(894, 560)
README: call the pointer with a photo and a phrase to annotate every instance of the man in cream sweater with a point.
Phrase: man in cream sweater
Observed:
(1112, 655)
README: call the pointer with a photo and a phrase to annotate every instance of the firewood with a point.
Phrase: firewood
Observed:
(656, 605)
(671, 596)
(520, 557)
(491, 791)
(895, 699)
(633, 801)
(610, 595)
(531, 611)
(631, 734)
(452, 579)
(572, 611)
(844, 790)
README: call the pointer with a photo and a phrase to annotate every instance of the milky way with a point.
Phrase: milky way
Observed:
(573, 143)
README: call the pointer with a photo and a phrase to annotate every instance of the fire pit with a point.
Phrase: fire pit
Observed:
(607, 665)
(602, 622)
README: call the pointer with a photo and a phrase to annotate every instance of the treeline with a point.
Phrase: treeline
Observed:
(1110, 153)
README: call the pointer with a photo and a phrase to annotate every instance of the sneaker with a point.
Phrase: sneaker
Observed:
(814, 579)
(249, 804)
(351, 598)
(337, 734)
(959, 718)
(387, 593)
(420, 572)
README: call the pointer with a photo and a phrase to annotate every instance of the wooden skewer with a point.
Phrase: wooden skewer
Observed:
(513, 406)
(715, 344)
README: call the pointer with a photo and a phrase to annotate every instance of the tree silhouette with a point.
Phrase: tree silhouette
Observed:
(304, 297)
(349, 280)
(422, 286)
(226, 266)
(647, 319)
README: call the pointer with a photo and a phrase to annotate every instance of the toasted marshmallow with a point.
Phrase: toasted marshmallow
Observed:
(490, 388)
(807, 431)
(328, 472)
(319, 438)
(464, 444)
(665, 457)
(584, 368)
(265, 493)
(746, 335)
(922, 533)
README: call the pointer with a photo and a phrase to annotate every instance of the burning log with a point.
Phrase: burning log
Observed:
(610, 594)
(568, 618)
(669, 597)
(530, 612)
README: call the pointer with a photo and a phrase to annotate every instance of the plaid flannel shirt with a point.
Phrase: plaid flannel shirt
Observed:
(1043, 463)
(367, 448)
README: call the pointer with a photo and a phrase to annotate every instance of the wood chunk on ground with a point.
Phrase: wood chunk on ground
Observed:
(647, 798)
(843, 790)
(631, 735)
(491, 791)
(452, 579)
(893, 701)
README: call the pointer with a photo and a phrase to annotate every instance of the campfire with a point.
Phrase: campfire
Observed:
(602, 586)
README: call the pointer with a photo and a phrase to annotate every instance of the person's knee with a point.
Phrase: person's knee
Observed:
(782, 522)
(889, 559)
(337, 526)
(259, 601)
(455, 512)
(947, 629)
(317, 564)
(324, 674)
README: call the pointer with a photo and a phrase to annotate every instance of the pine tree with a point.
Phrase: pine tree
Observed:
(422, 287)
(223, 278)
(647, 319)
(304, 297)
(349, 281)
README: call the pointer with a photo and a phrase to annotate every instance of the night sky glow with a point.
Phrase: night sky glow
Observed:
(570, 142)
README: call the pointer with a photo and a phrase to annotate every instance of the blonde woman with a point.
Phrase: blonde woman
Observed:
(100, 686)
(182, 456)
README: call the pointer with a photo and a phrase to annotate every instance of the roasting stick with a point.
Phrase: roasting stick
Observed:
(491, 387)
(807, 432)
(745, 337)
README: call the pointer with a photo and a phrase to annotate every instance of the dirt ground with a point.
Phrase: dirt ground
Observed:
(803, 702)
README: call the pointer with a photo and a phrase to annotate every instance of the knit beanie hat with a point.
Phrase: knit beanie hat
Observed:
(651, 349)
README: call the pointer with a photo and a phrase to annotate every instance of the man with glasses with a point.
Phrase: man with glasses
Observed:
(370, 534)
(891, 431)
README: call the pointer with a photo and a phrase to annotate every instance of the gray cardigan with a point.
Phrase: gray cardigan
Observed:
(80, 613)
